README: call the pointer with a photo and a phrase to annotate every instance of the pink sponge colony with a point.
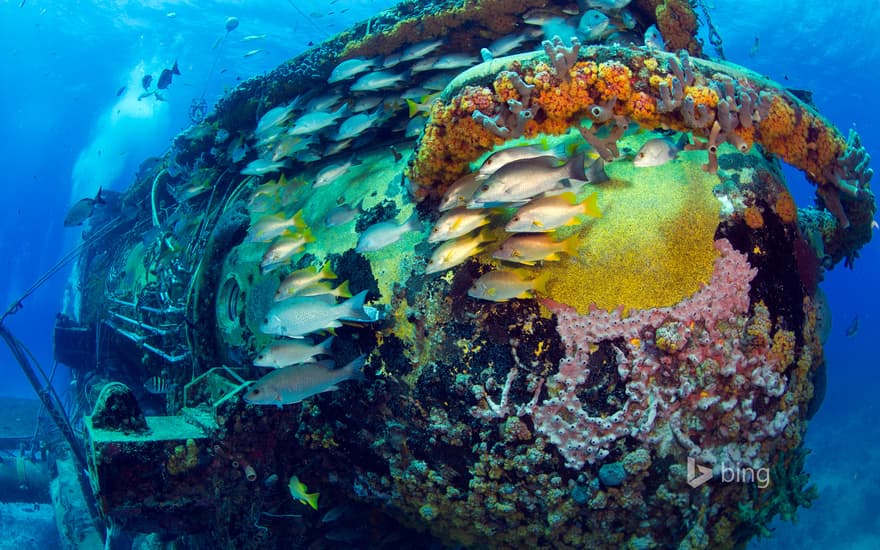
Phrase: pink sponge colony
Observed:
(690, 372)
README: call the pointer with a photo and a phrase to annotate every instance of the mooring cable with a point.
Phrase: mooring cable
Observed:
(16, 305)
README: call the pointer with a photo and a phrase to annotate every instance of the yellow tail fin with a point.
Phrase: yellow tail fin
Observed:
(312, 499)
(327, 271)
(568, 197)
(539, 283)
(298, 220)
(413, 107)
(591, 206)
(571, 245)
(342, 290)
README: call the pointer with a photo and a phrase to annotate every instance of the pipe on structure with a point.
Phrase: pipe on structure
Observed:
(48, 397)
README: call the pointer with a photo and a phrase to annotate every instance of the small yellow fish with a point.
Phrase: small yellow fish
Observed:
(456, 223)
(302, 278)
(529, 248)
(288, 146)
(549, 213)
(321, 287)
(501, 286)
(423, 106)
(284, 247)
(268, 227)
(298, 491)
(454, 252)
(269, 189)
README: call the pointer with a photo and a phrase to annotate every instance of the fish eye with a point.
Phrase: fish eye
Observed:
(485, 188)
(515, 219)
(255, 391)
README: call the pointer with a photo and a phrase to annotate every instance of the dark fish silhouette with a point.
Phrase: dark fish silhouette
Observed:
(146, 81)
(165, 77)
(853, 327)
(82, 210)
(120, 90)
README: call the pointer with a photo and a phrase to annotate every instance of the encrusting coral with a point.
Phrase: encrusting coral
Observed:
(717, 103)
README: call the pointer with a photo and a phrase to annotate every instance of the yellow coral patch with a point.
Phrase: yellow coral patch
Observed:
(653, 245)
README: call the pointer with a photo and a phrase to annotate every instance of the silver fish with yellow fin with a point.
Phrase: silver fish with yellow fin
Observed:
(291, 385)
(263, 166)
(518, 182)
(456, 223)
(530, 248)
(549, 213)
(268, 227)
(315, 121)
(503, 157)
(501, 286)
(455, 252)
(350, 68)
(291, 352)
(302, 278)
(301, 315)
(283, 249)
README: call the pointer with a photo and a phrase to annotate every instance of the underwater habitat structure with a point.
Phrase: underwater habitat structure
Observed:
(552, 298)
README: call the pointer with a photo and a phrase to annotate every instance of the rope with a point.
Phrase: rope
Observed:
(306, 17)
(16, 306)
(47, 395)
(714, 36)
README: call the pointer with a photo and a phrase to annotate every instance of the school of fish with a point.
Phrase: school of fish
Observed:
(520, 207)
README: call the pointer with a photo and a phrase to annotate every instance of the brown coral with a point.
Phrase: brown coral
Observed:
(753, 217)
(785, 207)
(678, 25)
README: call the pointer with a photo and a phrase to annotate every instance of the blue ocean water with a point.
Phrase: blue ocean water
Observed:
(66, 132)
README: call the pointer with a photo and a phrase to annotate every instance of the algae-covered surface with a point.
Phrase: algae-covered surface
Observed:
(653, 244)
(159, 428)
